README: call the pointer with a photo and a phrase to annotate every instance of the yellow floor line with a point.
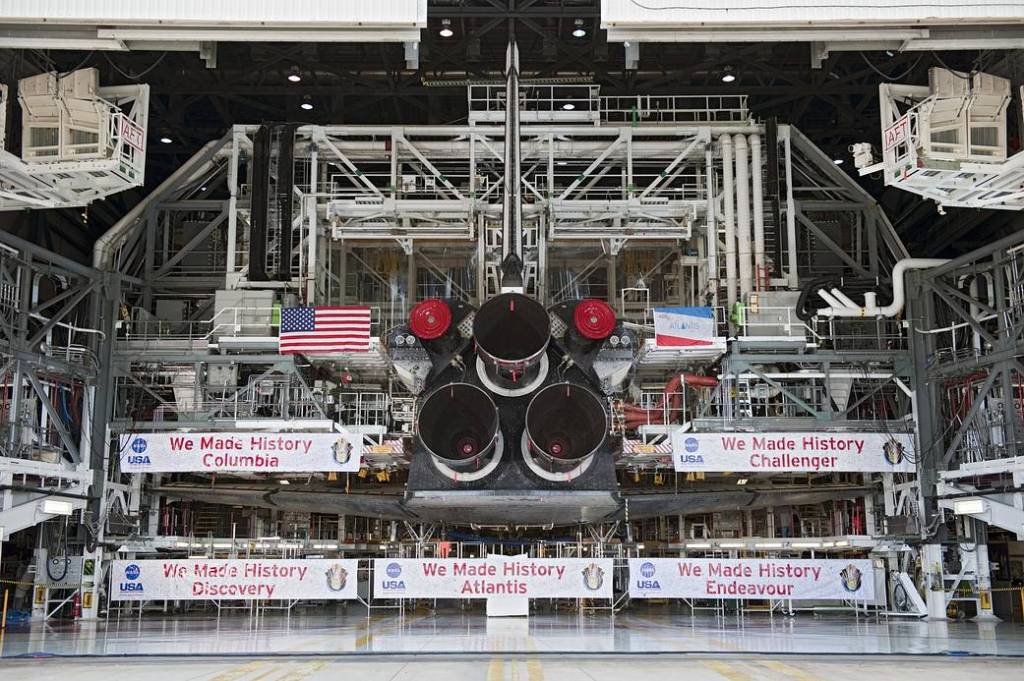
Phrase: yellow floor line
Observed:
(496, 670)
(236, 673)
(790, 671)
(302, 672)
(727, 669)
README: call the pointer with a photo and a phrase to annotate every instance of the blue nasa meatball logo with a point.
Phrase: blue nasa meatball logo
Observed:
(691, 444)
(647, 570)
(139, 445)
(394, 570)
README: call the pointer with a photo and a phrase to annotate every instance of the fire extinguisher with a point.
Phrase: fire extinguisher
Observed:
(76, 605)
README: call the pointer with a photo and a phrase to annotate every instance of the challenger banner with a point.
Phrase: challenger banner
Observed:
(482, 578)
(752, 579)
(261, 452)
(233, 579)
(790, 452)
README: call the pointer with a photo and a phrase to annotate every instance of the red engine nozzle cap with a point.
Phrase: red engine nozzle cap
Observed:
(594, 319)
(430, 319)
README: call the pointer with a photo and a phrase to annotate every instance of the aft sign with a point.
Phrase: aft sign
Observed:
(482, 578)
(897, 133)
(793, 452)
(752, 579)
(254, 451)
(201, 579)
(684, 326)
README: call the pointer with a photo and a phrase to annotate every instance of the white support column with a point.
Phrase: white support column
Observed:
(743, 233)
(730, 220)
(935, 592)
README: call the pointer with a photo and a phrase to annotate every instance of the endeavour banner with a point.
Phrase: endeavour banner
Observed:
(482, 578)
(752, 579)
(255, 451)
(789, 452)
(201, 579)
(683, 326)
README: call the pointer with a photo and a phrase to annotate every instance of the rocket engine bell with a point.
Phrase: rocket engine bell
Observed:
(512, 333)
(566, 424)
(458, 427)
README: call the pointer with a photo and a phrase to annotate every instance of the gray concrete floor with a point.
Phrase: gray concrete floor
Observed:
(519, 668)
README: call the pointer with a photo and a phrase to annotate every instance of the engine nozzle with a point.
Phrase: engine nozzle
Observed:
(512, 333)
(565, 425)
(458, 426)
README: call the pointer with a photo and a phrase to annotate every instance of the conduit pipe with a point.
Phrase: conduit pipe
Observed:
(743, 235)
(870, 307)
(672, 394)
(728, 212)
(760, 269)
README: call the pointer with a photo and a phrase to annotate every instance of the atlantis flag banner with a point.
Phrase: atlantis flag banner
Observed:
(683, 326)
(482, 578)
(752, 578)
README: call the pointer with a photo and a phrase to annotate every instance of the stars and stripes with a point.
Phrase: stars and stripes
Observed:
(316, 330)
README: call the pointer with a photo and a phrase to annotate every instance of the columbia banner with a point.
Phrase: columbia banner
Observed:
(236, 451)
(482, 578)
(752, 579)
(201, 579)
(787, 452)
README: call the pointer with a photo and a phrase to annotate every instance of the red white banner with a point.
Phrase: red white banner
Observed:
(752, 579)
(498, 578)
(262, 452)
(791, 452)
(202, 579)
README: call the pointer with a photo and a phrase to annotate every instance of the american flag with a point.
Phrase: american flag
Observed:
(317, 330)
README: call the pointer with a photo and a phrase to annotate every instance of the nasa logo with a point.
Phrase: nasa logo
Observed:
(138, 460)
(691, 444)
(647, 570)
(394, 570)
(691, 458)
(138, 445)
(132, 572)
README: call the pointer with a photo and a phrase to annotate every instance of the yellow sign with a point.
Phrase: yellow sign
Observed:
(986, 600)
(381, 449)
(643, 449)
(40, 595)
(87, 599)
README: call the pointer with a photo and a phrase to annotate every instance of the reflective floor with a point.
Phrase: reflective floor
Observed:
(518, 668)
(641, 629)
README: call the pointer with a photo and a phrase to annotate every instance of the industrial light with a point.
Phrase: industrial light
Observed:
(579, 31)
(568, 106)
(283, 482)
(55, 507)
(732, 545)
(806, 545)
(446, 28)
(306, 106)
(295, 76)
(742, 481)
(969, 507)
(728, 74)
(842, 543)
(166, 140)
(769, 545)
(838, 161)
(699, 545)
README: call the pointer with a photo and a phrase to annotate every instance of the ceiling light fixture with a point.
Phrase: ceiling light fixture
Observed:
(579, 31)
(306, 104)
(568, 106)
(838, 161)
(166, 140)
(728, 75)
(742, 481)
(283, 482)
(446, 28)
(295, 76)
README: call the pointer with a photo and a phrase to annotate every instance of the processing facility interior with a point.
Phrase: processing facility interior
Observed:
(511, 338)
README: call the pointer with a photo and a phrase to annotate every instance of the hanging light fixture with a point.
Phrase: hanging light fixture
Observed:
(294, 76)
(579, 31)
(728, 74)
(306, 104)
(446, 28)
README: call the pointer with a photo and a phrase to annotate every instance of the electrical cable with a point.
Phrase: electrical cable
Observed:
(130, 76)
(883, 74)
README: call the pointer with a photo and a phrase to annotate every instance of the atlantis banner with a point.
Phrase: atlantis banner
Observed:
(499, 577)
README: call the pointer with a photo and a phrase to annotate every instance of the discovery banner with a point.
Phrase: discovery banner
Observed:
(752, 579)
(240, 451)
(237, 579)
(790, 452)
(483, 578)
